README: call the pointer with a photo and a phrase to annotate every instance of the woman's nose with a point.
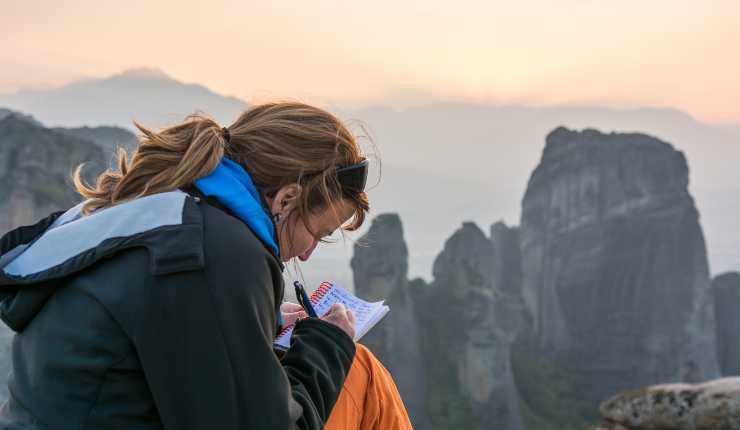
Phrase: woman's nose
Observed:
(305, 255)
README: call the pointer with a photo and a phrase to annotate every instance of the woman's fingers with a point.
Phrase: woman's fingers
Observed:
(291, 317)
(337, 308)
(342, 318)
(338, 315)
(290, 307)
(291, 312)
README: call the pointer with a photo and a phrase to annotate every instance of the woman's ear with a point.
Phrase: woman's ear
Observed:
(286, 199)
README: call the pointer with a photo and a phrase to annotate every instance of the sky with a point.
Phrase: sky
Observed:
(679, 54)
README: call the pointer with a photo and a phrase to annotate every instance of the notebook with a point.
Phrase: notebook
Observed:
(367, 314)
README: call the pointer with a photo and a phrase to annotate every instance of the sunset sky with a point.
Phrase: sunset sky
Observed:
(681, 54)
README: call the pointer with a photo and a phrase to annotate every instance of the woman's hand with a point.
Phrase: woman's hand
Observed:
(341, 317)
(291, 313)
(338, 315)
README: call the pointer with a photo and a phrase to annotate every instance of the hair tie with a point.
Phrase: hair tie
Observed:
(226, 135)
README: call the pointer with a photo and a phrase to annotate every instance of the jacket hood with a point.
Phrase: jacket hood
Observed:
(232, 186)
(33, 259)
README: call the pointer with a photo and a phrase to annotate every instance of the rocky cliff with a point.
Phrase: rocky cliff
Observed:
(448, 343)
(474, 321)
(726, 288)
(380, 269)
(35, 169)
(614, 262)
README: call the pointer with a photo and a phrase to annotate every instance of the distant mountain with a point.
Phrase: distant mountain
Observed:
(445, 162)
(146, 95)
(7, 112)
(108, 138)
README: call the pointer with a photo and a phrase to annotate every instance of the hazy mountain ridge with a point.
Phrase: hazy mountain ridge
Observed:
(147, 95)
(465, 161)
(4, 113)
(107, 137)
(38, 161)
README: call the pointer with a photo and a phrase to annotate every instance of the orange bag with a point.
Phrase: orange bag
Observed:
(369, 398)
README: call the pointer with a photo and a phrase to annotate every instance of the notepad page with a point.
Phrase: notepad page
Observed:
(377, 316)
(367, 314)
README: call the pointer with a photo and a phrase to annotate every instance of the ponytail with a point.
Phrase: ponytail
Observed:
(163, 161)
(277, 144)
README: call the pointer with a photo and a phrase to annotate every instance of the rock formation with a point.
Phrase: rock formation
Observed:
(713, 405)
(614, 262)
(507, 258)
(380, 270)
(35, 170)
(474, 322)
(447, 343)
(726, 288)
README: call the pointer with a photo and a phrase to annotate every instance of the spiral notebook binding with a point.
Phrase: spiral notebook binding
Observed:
(285, 329)
(320, 292)
(315, 297)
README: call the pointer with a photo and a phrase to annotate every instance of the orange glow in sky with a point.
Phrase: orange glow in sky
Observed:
(681, 54)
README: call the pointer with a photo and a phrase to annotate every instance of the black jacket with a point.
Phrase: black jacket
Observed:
(157, 313)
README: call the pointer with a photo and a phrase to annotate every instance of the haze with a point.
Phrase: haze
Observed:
(619, 54)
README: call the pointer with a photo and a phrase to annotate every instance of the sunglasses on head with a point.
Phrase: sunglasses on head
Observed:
(353, 177)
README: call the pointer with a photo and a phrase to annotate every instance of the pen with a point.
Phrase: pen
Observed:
(302, 296)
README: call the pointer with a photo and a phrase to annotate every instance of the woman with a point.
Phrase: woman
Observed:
(154, 303)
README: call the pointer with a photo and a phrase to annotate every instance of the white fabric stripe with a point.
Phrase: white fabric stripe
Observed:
(70, 215)
(74, 236)
(9, 256)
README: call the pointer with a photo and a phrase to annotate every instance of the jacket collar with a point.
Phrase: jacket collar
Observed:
(33, 257)
(65, 243)
(233, 187)
(213, 201)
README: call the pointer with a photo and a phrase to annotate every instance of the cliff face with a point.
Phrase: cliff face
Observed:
(473, 325)
(614, 262)
(726, 288)
(448, 343)
(35, 170)
(507, 260)
(380, 269)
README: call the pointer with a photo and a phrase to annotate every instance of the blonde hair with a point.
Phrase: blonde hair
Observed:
(278, 143)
